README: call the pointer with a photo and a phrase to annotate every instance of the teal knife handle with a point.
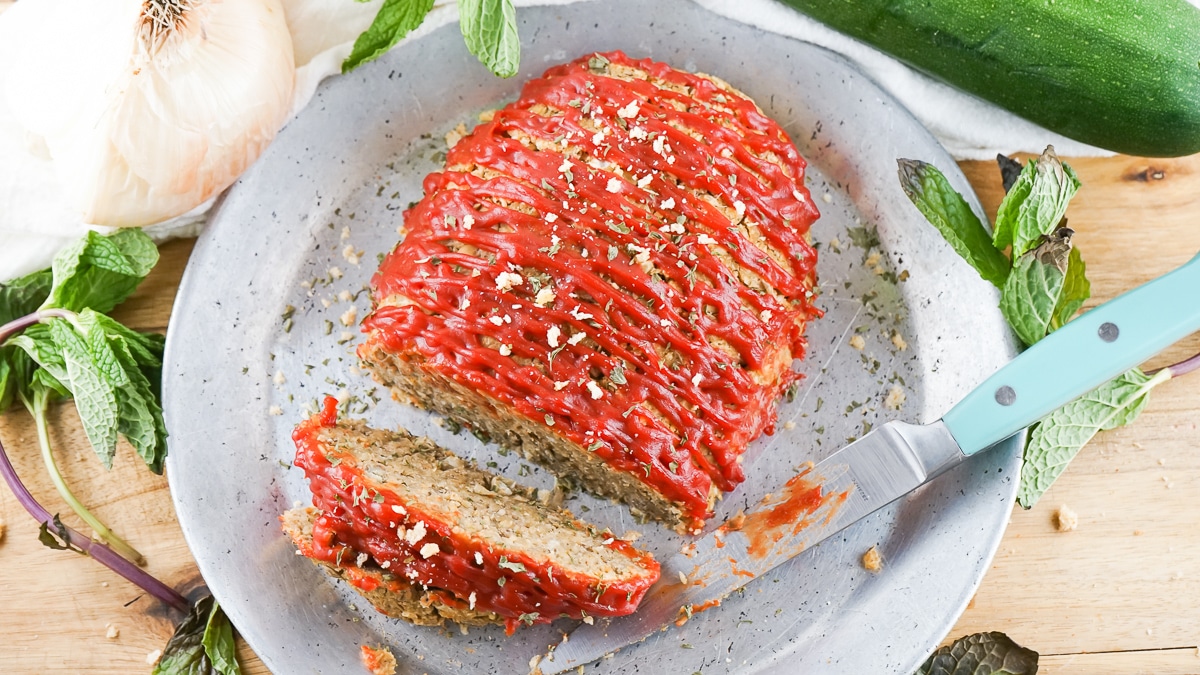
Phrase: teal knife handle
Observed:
(1089, 351)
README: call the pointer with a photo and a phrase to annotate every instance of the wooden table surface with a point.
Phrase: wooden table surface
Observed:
(1120, 595)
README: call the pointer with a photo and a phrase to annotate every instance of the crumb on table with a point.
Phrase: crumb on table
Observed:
(858, 342)
(895, 398)
(1065, 519)
(872, 561)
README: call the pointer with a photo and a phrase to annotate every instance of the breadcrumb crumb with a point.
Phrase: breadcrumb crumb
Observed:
(153, 657)
(898, 340)
(1065, 519)
(895, 398)
(378, 661)
(872, 561)
(455, 135)
(858, 342)
(112, 632)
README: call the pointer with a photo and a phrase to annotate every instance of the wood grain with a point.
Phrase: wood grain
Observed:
(1119, 595)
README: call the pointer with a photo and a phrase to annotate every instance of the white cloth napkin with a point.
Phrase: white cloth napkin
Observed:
(35, 222)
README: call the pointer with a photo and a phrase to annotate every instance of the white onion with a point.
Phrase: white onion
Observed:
(145, 108)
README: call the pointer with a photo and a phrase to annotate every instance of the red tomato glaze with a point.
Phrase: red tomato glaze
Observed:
(635, 265)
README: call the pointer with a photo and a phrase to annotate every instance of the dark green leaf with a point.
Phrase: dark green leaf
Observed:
(396, 18)
(95, 396)
(981, 654)
(18, 298)
(218, 643)
(490, 30)
(185, 653)
(1033, 288)
(1056, 440)
(1010, 170)
(942, 206)
(23, 295)
(101, 271)
(1076, 290)
(1036, 203)
(59, 538)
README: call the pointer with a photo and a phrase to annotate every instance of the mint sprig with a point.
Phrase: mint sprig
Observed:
(59, 345)
(489, 28)
(1057, 439)
(1035, 204)
(1043, 285)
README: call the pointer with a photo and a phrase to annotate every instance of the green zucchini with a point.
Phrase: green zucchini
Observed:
(1119, 74)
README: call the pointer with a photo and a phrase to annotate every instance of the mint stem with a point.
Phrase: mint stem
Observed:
(37, 408)
(103, 554)
(1182, 368)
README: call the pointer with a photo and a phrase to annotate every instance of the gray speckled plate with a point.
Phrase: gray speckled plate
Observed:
(303, 229)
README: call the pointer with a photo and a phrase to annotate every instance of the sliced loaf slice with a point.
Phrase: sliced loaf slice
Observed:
(438, 534)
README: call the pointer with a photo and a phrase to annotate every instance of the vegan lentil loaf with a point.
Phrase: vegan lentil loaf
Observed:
(428, 537)
(611, 275)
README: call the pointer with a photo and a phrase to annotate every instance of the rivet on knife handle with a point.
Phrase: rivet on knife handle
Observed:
(1087, 352)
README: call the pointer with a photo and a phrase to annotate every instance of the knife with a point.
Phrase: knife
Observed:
(897, 458)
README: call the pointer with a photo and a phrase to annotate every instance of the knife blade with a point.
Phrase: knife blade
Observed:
(897, 458)
(861, 478)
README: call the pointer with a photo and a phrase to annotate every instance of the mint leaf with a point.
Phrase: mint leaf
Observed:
(1031, 294)
(18, 297)
(981, 654)
(23, 295)
(490, 30)
(1036, 203)
(942, 206)
(101, 271)
(218, 642)
(95, 397)
(139, 417)
(1058, 438)
(1076, 290)
(396, 18)
(186, 652)
(1006, 215)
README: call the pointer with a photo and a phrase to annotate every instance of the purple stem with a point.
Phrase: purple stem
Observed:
(1186, 366)
(17, 325)
(103, 554)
